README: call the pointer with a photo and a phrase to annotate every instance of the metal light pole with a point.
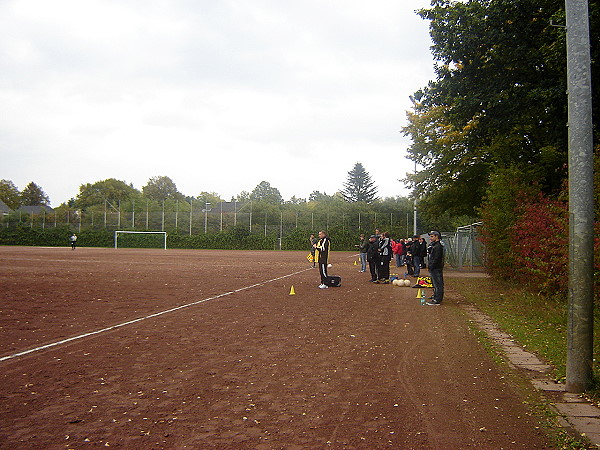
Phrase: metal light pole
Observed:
(581, 199)
(415, 208)
(205, 211)
(415, 218)
(191, 209)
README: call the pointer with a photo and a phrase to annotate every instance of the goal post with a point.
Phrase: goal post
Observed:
(121, 232)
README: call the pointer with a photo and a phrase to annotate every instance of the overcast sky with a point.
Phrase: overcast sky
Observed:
(218, 95)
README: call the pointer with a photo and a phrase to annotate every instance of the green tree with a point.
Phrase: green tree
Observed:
(359, 187)
(161, 188)
(242, 197)
(499, 98)
(208, 197)
(264, 192)
(9, 194)
(34, 195)
(446, 184)
(296, 201)
(317, 196)
(92, 194)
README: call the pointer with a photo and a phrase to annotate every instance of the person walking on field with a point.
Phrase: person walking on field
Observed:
(73, 240)
(436, 268)
(322, 255)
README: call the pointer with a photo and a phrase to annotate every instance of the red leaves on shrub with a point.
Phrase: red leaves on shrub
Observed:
(540, 245)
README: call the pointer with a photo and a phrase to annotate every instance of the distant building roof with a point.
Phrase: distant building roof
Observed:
(4, 209)
(35, 209)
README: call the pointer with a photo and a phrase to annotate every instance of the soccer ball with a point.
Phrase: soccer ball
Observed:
(406, 282)
(329, 265)
(396, 282)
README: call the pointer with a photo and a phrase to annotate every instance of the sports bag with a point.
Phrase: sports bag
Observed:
(333, 281)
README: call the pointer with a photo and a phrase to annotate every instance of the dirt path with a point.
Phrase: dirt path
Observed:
(360, 366)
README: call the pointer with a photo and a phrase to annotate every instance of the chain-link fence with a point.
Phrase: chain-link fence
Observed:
(196, 218)
(199, 219)
(463, 248)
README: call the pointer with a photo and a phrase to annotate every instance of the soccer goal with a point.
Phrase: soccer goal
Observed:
(135, 239)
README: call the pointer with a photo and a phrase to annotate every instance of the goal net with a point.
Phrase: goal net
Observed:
(140, 239)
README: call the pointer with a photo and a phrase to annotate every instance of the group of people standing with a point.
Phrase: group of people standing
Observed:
(378, 250)
(412, 253)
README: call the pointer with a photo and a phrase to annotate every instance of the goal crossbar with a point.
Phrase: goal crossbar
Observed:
(118, 232)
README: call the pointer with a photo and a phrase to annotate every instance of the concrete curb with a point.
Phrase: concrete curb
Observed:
(574, 411)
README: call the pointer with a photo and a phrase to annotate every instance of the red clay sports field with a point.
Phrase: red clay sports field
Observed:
(207, 349)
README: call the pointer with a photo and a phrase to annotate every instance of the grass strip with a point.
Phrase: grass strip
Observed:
(537, 323)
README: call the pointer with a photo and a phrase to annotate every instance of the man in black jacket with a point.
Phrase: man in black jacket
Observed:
(373, 258)
(436, 268)
(415, 251)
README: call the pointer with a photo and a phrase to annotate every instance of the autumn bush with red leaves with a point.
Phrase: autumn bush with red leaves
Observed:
(540, 245)
(526, 236)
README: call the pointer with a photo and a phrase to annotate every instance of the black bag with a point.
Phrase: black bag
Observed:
(333, 281)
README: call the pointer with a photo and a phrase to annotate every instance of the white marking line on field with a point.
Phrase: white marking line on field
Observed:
(160, 313)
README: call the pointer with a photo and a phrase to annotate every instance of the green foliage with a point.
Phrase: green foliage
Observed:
(161, 188)
(499, 99)
(54, 237)
(9, 194)
(540, 245)
(538, 322)
(297, 239)
(112, 190)
(264, 192)
(507, 189)
(33, 195)
(317, 196)
(207, 197)
(359, 187)
(451, 179)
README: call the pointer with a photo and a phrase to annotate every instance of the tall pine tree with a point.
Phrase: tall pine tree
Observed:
(359, 187)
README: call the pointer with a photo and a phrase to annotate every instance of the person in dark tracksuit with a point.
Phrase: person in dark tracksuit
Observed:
(415, 251)
(373, 258)
(385, 256)
(322, 255)
(436, 268)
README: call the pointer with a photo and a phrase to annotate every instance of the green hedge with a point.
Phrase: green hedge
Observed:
(238, 238)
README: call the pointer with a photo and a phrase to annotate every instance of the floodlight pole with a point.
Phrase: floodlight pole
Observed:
(415, 208)
(415, 218)
(191, 209)
(581, 199)
(206, 210)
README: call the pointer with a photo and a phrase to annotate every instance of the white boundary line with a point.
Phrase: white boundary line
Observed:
(150, 316)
